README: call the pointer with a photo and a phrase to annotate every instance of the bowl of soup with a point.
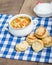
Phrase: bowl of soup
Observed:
(21, 25)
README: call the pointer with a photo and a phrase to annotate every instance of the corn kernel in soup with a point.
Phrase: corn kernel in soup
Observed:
(20, 22)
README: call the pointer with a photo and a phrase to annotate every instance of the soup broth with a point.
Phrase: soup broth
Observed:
(20, 22)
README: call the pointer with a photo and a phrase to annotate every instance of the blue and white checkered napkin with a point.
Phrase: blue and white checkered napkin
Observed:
(8, 42)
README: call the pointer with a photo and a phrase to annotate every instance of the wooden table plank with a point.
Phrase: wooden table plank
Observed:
(26, 8)
(19, 62)
(44, 64)
(28, 5)
(10, 6)
(3, 61)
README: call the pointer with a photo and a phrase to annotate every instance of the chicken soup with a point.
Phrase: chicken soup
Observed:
(20, 22)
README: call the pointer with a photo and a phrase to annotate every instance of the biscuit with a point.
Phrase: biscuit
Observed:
(47, 41)
(22, 46)
(41, 32)
(31, 38)
(37, 45)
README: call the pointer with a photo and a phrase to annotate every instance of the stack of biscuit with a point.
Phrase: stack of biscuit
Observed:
(38, 40)
(43, 34)
(31, 38)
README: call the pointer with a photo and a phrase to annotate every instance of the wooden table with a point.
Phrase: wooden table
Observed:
(15, 7)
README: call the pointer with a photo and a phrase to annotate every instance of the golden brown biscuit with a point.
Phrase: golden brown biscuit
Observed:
(47, 41)
(22, 46)
(31, 38)
(37, 45)
(41, 32)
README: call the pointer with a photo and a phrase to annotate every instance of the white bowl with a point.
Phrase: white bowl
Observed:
(43, 9)
(21, 31)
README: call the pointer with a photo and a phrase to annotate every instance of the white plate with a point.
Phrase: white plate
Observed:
(43, 9)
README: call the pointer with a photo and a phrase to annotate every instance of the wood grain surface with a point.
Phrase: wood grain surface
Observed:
(29, 5)
(10, 6)
(15, 7)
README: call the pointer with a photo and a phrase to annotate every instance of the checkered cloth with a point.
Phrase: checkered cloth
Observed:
(8, 42)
